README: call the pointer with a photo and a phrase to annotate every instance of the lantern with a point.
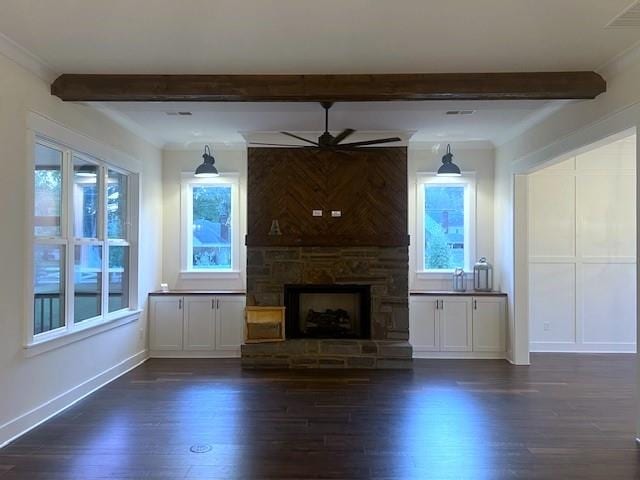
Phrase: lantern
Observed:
(483, 276)
(458, 280)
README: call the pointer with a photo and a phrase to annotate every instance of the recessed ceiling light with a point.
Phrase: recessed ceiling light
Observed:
(460, 112)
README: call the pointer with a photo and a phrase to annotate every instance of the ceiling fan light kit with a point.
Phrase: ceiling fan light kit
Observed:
(327, 140)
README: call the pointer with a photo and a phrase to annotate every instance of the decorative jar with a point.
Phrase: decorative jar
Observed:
(458, 280)
(483, 276)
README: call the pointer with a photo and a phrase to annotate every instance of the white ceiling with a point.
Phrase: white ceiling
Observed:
(221, 123)
(317, 36)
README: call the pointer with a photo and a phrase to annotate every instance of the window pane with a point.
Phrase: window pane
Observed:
(211, 227)
(48, 192)
(48, 288)
(85, 199)
(87, 281)
(118, 278)
(444, 227)
(116, 205)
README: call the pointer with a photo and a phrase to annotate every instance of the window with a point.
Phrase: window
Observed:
(81, 230)
(446, 217)
(210, 224)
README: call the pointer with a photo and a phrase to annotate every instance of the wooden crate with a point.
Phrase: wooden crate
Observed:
(264, 324)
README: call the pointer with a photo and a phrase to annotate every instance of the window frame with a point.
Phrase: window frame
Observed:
(188, 182)
(71, 145)
(468, 180)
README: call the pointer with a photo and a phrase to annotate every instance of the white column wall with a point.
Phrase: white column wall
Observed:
(581, 240)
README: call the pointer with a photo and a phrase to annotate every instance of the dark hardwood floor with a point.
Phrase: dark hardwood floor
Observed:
(565, 417)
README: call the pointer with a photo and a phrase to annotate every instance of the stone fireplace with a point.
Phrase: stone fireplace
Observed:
(343, 279)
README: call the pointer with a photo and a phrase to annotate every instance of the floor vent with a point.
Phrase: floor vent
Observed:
(200, 448)
(630, 17)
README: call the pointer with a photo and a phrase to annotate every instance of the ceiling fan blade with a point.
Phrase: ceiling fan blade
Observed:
(275, 144)
(371, 142)
(300, 138)
(342, 135)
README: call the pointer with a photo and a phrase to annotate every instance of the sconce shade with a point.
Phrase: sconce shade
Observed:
(448, 168)
(207, 167)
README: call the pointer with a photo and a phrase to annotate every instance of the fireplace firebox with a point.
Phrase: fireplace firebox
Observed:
(328, 311)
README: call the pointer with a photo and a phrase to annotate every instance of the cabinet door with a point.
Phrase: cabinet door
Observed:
(165, 323)
(423, 324)
(489, 316)
(230, 322)
(456, 328)
(199, 323)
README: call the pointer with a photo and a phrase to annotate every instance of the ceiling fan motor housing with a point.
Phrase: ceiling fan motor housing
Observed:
(325, 140)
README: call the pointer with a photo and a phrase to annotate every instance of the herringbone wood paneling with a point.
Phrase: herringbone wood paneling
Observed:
(368, 185)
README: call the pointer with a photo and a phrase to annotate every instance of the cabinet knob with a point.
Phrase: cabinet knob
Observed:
(180, 304)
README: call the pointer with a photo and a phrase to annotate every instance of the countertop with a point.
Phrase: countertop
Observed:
(433, 293)
(468, 293)
(197, 292)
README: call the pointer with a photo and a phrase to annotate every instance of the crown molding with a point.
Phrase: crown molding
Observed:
(26, 59)
(198, 146)
(438, 145)
(621, 62)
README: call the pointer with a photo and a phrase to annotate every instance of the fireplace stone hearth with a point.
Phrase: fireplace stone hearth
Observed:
(312, 353)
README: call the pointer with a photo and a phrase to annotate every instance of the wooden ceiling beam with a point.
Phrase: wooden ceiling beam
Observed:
(316, 88)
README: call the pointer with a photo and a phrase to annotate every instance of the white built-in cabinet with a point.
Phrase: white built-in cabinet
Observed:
(457, 326)
(196, 325)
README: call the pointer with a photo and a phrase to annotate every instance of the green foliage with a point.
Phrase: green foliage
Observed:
(437, 252)
(48, 186)
(209, 203)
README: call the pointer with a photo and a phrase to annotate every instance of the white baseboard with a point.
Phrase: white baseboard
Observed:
(460, 355)
(550, 347)
(194, 354)
(31, 419)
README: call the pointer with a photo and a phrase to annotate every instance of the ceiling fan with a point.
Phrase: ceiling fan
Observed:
(328, 141)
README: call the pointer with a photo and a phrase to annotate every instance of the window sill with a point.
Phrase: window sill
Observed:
(442, 275)
(212, 275)
(63, 338)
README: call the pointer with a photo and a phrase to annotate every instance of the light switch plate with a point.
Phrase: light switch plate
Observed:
(336, 213)
(317, 213)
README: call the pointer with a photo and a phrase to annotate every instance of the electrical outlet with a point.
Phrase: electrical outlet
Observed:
(546, 326)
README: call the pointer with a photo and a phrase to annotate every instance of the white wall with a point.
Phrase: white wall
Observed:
(35, 386)
(477, 157)
(582, 252)
(228, 160)
(574, 126)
